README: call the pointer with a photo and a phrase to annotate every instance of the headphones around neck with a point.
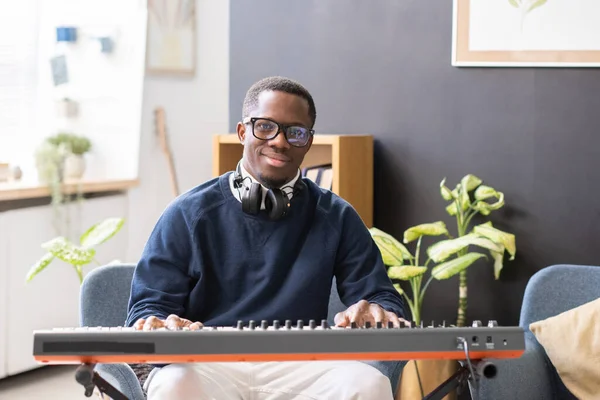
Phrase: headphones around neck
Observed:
(277, 201)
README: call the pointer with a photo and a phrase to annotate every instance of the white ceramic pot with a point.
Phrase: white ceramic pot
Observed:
(74, 166)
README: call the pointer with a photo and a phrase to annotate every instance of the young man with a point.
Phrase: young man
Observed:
(223, 253)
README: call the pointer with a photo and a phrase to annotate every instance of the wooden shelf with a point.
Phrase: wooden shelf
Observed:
(351, 157)
(31, 190)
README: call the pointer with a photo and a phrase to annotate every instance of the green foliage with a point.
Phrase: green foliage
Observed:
(448, 255)
(76, 255)
(76, 144)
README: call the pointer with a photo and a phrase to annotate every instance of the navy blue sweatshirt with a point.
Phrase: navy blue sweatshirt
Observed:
(208, 261)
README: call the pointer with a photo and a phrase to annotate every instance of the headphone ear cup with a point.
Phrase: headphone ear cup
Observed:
(251, 198)
(276, 203)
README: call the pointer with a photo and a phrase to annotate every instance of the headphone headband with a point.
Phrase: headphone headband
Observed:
(277, 200)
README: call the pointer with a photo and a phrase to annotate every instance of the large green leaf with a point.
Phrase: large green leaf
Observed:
(445, 248)
(445, 191)
(398, 288)
(429, 229)
(496, 235)
(392, 251)
(101, 232)
(470, 182)
(66, 251)
(535, 5)
(39, 266)
(451, 209)
(450, 268)
(483, 193)
(498, 262)
(405, 272)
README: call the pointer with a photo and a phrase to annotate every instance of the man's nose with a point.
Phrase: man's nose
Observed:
(279, 141)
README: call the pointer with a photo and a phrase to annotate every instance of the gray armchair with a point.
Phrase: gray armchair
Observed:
(103, 302)
(549, 292)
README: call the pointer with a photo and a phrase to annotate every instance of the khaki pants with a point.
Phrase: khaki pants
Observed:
(315, 380)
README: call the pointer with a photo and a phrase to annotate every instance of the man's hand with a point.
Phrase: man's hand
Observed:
(172, 322)
(363, 312)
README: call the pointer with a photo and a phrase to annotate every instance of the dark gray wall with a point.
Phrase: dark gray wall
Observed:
(383, 67)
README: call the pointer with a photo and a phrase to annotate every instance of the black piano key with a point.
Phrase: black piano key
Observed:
(379, 324)
(368, 324)
(390, 325)
(353, 325)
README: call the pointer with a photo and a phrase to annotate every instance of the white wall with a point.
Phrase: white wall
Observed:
(107, 86)
(195, 109)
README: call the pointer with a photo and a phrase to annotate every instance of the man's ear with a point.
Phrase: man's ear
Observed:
(241, 132)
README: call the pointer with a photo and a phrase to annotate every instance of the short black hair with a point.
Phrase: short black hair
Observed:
(280, 84)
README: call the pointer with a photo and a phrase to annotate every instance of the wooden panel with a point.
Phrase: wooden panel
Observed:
(27, 190)
(354, 174)
(318, 154)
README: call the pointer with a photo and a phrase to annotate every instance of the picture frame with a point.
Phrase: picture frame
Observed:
(171, 37)
(525, 33)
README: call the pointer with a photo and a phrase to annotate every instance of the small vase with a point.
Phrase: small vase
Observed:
(74, 166)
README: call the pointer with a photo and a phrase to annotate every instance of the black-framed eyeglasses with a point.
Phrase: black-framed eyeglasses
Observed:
(267, 129)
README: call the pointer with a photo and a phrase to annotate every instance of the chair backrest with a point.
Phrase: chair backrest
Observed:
(551, 291)
(558, 288)
(105, 296)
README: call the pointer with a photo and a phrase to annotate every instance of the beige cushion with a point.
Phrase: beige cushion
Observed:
(572, 341)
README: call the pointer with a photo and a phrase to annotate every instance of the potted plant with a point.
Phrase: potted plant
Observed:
(446, 258)
(74, 163)
(77, 255)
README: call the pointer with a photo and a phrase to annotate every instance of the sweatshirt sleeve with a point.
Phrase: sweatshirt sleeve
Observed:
(360, 272)
(161, 280)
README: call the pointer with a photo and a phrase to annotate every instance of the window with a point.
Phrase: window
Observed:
(18, 79)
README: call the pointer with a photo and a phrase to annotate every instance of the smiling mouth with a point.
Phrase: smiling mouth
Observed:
(276, 161)
(280, 159)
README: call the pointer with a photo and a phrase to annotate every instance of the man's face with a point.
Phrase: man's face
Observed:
(274, 162)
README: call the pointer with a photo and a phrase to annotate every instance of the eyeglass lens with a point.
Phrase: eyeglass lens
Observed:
(295, 135)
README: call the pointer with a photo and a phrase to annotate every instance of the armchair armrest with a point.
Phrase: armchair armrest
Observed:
(524, 378)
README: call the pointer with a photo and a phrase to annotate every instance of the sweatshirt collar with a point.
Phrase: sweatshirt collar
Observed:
(247, 178)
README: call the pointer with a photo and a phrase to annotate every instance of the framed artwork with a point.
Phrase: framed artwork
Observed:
(526, 33)
(171, 39)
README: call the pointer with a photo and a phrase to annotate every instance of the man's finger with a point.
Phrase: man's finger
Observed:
(377, 313)
(173, 322)
(359, 312)
(393, 318)
(341, 319)
(153, 323)
(139, 324)
(195, 326)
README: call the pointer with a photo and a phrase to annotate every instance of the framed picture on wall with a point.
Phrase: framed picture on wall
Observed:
(526, 33)
(171, 40)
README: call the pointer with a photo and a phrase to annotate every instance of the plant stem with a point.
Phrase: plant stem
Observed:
(462, 276)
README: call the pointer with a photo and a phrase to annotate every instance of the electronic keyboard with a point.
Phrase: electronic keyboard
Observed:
(276, 341)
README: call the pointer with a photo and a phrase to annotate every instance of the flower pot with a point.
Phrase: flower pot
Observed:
(74, 166)
(432, 373)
